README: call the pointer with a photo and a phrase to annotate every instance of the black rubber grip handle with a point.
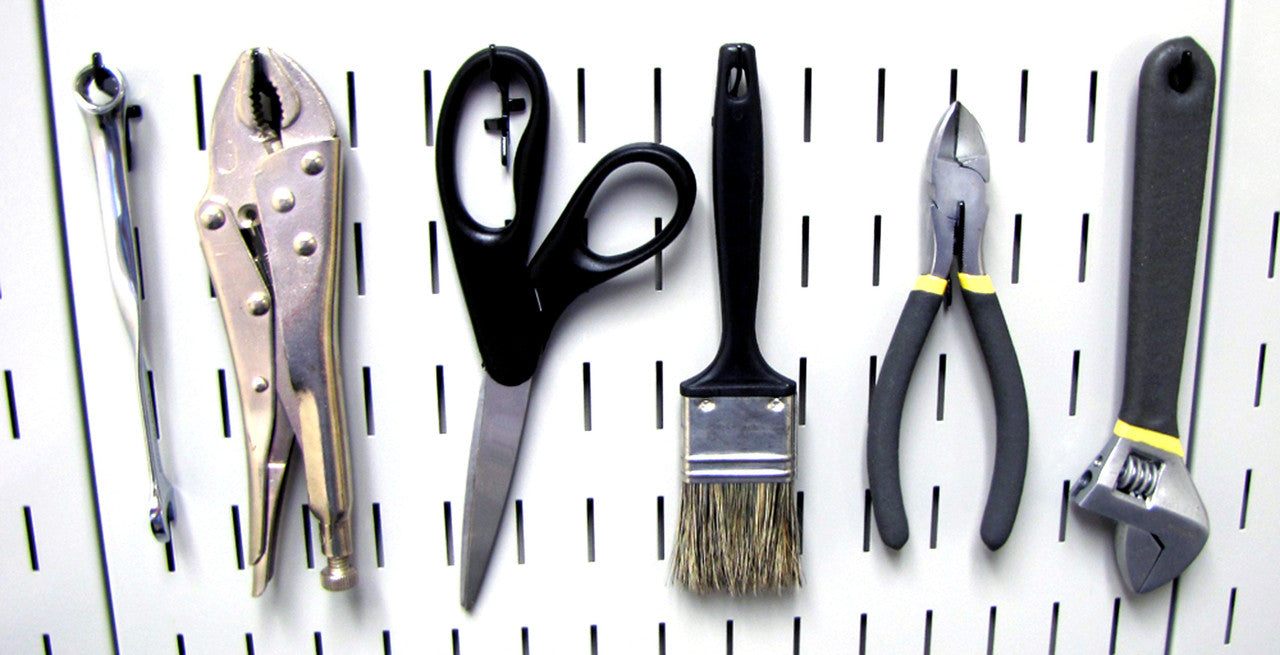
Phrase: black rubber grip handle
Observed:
(885, 415)
(1175, 107)
(737, 186)
(1012, 425)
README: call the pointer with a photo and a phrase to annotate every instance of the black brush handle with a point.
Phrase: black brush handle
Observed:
(1175, 106)
(737, 183)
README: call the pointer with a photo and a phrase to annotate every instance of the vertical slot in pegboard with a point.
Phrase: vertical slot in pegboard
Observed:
(599, 467)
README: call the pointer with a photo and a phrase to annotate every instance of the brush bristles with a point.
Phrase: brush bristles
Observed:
(740, 538)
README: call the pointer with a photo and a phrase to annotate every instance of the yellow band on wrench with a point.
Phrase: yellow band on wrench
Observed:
(1165, 442)
(931, 283)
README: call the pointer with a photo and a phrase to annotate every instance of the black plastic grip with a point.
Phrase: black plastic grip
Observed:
(884, 420)
(738, 186)
(1012, 425)
(1175, 107)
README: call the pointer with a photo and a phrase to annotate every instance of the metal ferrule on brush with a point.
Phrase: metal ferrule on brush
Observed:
(739, 439)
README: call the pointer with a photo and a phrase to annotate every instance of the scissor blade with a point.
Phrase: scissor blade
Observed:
(495, 445)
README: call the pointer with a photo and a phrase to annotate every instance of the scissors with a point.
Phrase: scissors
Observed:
(513, 301)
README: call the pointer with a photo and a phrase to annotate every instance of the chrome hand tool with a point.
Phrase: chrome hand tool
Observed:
(738, 530)
(270, 224)
(513, 301)
(958, 208)
(101, 95)
(1140, 479)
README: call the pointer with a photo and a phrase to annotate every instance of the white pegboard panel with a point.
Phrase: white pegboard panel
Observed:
(1225, 601)
(54, 597)
(1059, 201)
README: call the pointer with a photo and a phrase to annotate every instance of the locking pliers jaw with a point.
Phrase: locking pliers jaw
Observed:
(270, 226)
(958, 192)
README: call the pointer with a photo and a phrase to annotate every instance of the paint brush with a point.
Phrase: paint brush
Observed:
(738, 529)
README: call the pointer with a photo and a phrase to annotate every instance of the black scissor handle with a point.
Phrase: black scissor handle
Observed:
(565, 267)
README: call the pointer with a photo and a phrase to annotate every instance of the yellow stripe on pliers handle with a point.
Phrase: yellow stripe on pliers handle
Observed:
(1165, 442)
(976, 283)
(931, 283)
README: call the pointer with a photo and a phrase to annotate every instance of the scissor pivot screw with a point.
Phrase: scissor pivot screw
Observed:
(707, 406)
(258, 303)
(260, 384)
(304, 244)
(312, 163)
(282, 200)
(212, 217)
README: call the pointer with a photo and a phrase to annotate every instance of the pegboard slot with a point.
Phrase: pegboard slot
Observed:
(248, 643)
(386, 642)
(662, 638)
(1075, 383)
(1262, 362)
(137, 249)
(804, 252)
(875, 251)
(1084, 246)
(657, 258)
(942, 386)
(441, 426)
(237, 536)
(1231, 615)
(351, 109)
(928, 631)
(457, 644)
(434, 246)
(1093, 106)
(933, 519)
(582, 105)
(1275, 232)
(595, 640)
(657, 105)
(591, 530)
(799, 522)
(871, 381)
(1244, 498)
(224, 403)
(1015, 269)
(795, 637)
(359, 253)
(199, 89)
(319, 644)
(862, 634)
(306, 537)
(955, 83)
(1115, 625)
(519, 531)
(1022, 108)
(32, 553)
(368, 400)
(802, 390)
(728, 637)
(48, 644)
(428, 112)
(169, 561)
(182, 645)
(657, 395)
(379, 554)
(662, 529)
(524, 640)
(448, 533)
(155, 416)
(1063, 507)
(866, 520)
(880, 106)
(13, 404)
(991, 628)
(586, 396)
(1053, 630)
(808, 104)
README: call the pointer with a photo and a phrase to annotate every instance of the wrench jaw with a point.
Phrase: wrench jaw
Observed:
(1161, 523)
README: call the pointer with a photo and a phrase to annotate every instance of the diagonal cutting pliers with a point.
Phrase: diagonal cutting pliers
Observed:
(958, 209)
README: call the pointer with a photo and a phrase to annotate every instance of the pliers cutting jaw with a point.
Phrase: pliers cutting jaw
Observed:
(270, 225)
(958, 192)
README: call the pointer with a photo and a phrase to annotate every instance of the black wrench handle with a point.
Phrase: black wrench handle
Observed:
(1175, 108)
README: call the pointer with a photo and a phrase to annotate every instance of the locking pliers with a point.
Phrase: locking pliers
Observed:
(270, 225)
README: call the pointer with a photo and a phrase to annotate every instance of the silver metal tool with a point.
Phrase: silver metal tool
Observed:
(270, 224)
(100, 93)
(1140, 478)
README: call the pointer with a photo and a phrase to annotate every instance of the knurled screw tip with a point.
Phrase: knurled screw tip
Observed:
(312, 163)
(258, 303)
(304, 244)
(338, 575)
(282, 199)
(212, 217)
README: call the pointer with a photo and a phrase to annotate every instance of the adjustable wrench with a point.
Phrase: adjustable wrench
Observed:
(1140, 479)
